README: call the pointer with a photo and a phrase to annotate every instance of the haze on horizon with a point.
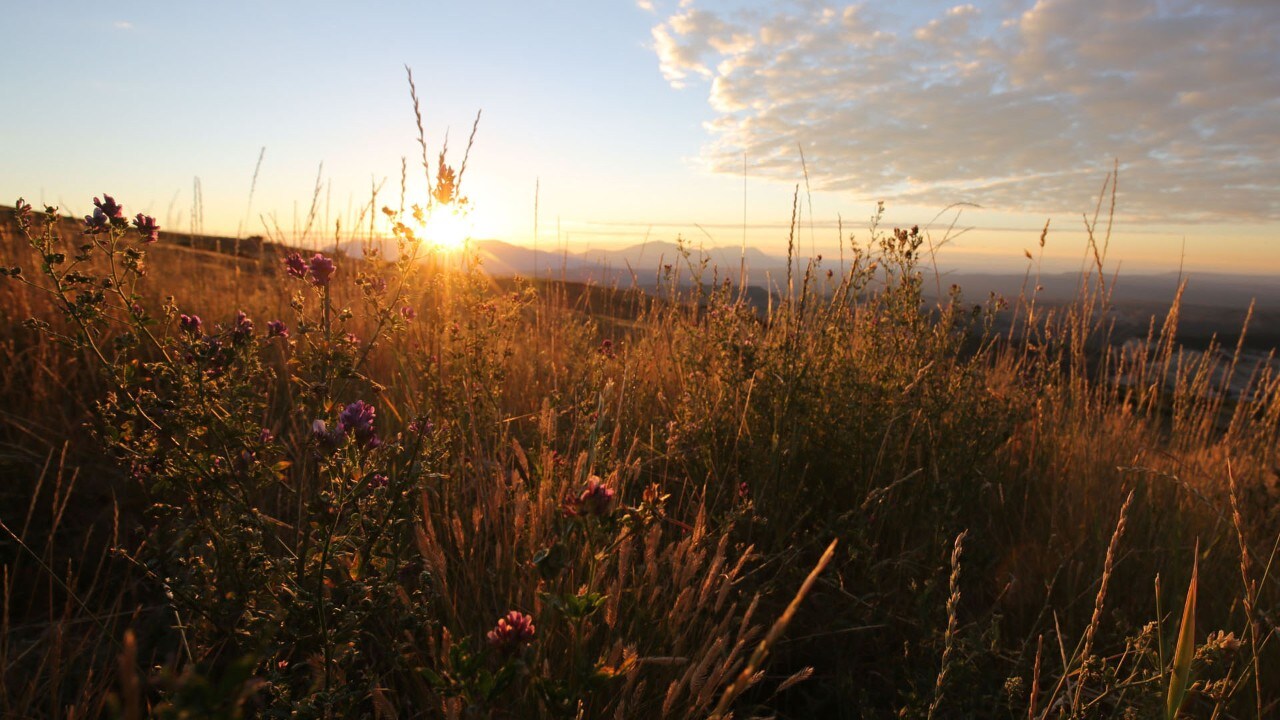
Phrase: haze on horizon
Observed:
(652, 119)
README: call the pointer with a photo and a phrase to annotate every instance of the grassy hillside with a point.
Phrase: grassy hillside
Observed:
(427, 492)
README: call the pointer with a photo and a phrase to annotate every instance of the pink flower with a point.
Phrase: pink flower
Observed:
(109, 207)
(321, 269)
(189, 324)
(408, 313)
(295, 265)
(515, 629)
(242, 330)
(275, 328)
(147, 228)
(596, 499)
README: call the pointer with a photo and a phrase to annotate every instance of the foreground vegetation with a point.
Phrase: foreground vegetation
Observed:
(322, 486)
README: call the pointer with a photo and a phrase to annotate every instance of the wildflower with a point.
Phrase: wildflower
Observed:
(109, 207)
(408, 313)
(190, 324)
(513, 630)
(96, 223)
(242, 330)
(321, 269)
(324, 437)
(378, 481)
(275, 328)
(147, 228)
(357, 419)
(596, 499)
(295, 265)
(266, 436)
(377, 285)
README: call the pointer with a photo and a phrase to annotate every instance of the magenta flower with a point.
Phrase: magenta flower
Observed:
(275, 328)
(321, 269)
(147, 228)
(596, 499)
(295, 265)
(408, 313)
(109, 207)
(242, 329)
(514, 630)
(357, 419)
(190, 324)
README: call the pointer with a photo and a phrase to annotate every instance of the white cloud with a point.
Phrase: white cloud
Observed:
(122, 25)
(646, 5)
(1012, 105)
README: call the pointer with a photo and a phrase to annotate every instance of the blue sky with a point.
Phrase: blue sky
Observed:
(634, 116)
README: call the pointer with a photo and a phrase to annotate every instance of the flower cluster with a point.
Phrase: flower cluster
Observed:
(242, 328)
(318, 270)
(106, 213)
(356, 420)
(594, 500)
(190, 324)
(147, 228)
(514, 630)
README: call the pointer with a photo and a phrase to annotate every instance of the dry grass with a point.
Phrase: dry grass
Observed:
(739, 445)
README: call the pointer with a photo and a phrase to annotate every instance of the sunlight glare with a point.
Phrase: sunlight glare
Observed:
(447, 228)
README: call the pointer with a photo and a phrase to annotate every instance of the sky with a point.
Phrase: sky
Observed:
(625, 121)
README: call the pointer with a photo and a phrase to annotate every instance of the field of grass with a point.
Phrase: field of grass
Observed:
(430, 493)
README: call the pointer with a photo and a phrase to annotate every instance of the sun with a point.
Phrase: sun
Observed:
(447, 228)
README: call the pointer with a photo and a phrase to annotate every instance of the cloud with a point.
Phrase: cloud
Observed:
(646, 5)
(1012, 105)
(122, 25)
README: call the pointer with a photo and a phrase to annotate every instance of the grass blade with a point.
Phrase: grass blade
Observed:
(1180, 675)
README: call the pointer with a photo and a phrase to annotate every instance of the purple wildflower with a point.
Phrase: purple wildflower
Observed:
(357, 419)
(275, 328)
(295, 265)
(96, 223)
(242, 330)
(378, 481)
(513, 630)
(190, 324)
(109, 207)
(408, 313)
(321, 269)
(324, 437)
(266, 436)
(596, 499)
(147, 228)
